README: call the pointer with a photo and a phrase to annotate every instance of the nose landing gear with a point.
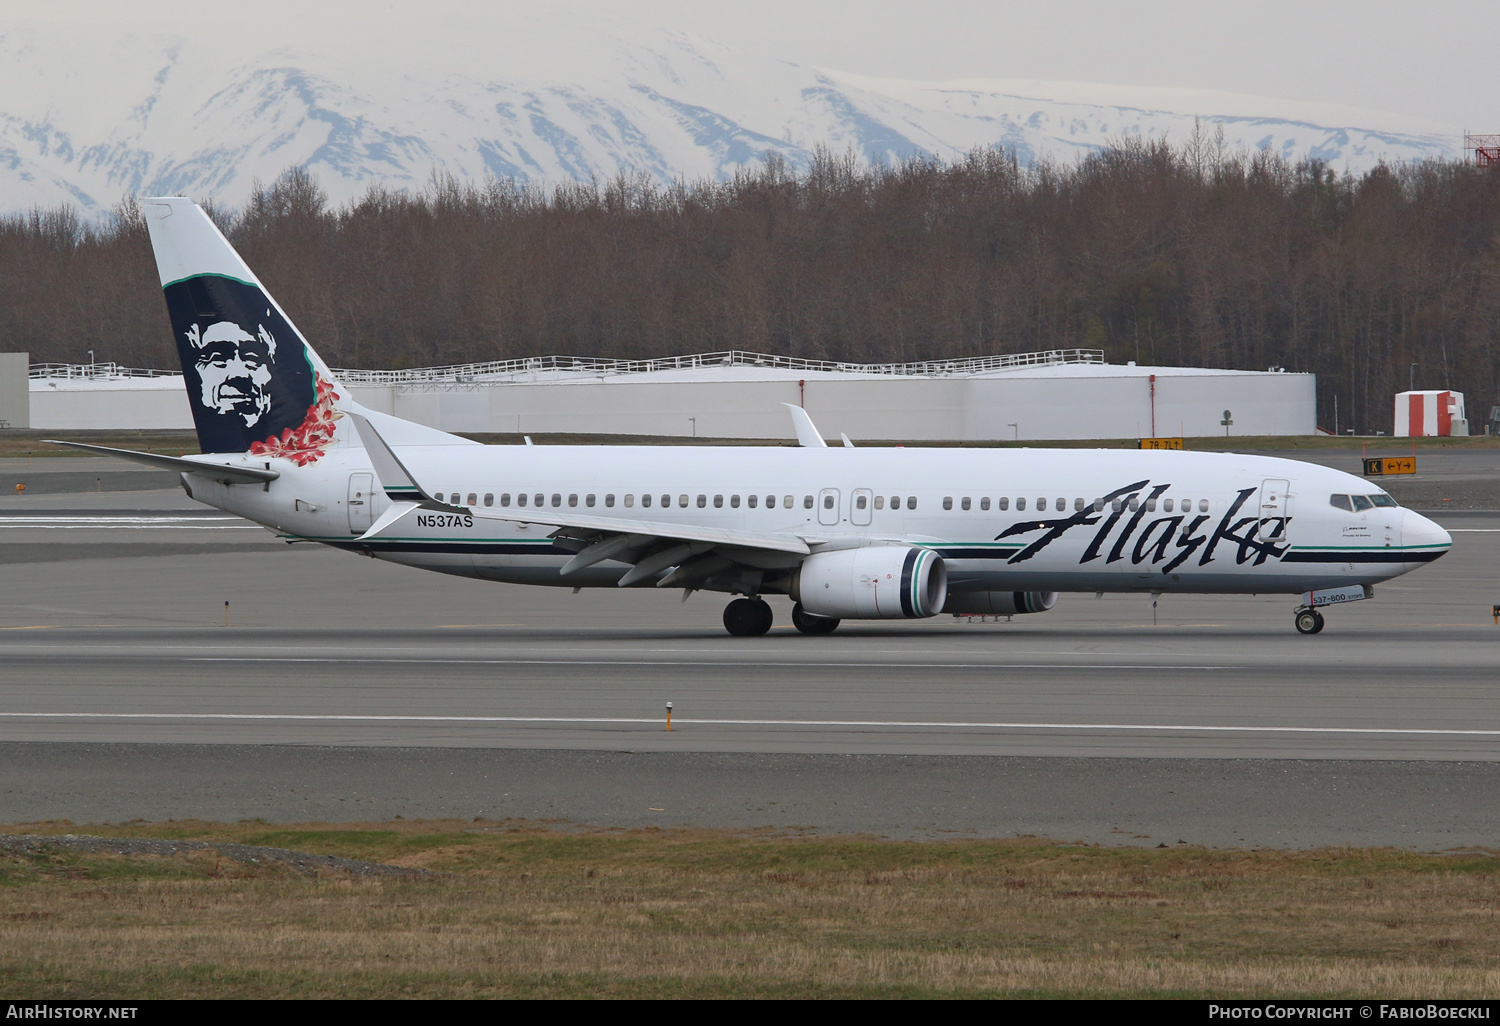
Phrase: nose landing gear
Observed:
(747, 617)
(1308, 621)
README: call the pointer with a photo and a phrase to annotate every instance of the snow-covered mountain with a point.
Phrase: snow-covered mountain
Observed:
(92, 112)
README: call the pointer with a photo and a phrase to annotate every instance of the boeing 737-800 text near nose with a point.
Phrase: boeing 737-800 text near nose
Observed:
(847, 533)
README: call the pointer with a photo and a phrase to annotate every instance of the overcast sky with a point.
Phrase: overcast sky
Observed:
(1434, 60)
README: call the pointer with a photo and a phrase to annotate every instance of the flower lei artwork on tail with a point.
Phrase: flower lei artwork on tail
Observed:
(306, 443)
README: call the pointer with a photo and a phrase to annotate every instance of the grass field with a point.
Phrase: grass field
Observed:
(529, 910)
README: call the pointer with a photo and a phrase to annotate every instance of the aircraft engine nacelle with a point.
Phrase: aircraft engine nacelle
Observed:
(881, 582)
(1001, 603)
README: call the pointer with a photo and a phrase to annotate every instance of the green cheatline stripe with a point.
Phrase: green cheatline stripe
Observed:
(212, 274)
(1366, 548)
(391, 538)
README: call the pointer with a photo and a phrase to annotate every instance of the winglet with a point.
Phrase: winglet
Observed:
(398, 483)
(807, 434)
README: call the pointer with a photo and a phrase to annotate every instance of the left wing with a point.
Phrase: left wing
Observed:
(692, 553)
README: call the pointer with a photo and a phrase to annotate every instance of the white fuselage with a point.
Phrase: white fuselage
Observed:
(1002, 519)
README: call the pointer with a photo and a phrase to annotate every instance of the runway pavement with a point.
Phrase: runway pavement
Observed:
(346, 688)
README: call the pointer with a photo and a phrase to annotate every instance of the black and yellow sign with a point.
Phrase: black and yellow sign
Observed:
(1161, 443)
(1382, 466)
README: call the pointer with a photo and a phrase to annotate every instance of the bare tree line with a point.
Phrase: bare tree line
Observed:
(1177, 255)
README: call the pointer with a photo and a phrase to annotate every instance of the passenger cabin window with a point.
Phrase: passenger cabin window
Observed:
(880, 502)
(861, 501)
(752, 500)
(629, 500)
(984, 503)
(666, 500)
(1361, 503)
(682, 500)
(646, 501)
(536, 500)
(473, 499)
(718, 502)
(1150, 505)
(1383, 500)
(1003, 502)
(521, 499)
(505, 498)
(1202, 505)
(947, 502)
(786, 502)
(1041, 505)
(609, 500)
(1166, 505)
(588, 500)
(556, 499)
(1020, 503)
(734, 502)
(807, 502)
(895, 502)
(1341, 502)
(966, 503)
(573, 499)
(489, 498)
(828, 502)
(911, 502)
(1135, 503)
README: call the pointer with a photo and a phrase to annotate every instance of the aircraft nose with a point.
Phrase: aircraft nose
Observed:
(1420, 535)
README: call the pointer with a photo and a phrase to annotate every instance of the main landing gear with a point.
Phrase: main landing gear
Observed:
(807, 623)
(747, 617)
(1308, 621)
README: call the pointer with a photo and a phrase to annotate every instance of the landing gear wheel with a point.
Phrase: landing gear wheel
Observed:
(747, 618)
(1308, 621)
(807, 623)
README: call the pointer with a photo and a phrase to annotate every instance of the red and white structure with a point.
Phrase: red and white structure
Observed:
(1430, 414)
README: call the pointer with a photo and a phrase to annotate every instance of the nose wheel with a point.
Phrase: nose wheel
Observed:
(747, 618)
(1308, 621)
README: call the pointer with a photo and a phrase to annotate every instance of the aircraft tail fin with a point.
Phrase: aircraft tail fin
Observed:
(253, 382)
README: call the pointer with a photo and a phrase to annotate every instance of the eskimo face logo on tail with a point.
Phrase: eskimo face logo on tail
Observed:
(252, 385)
(234, 370)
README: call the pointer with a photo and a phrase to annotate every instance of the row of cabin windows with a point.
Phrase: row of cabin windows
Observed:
(646, 501)
(1061, 505)
(788, 502)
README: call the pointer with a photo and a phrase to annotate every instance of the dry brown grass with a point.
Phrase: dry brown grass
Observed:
(521, 910)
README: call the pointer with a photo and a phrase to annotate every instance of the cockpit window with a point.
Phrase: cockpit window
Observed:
(1361, 503)
(1383, 500)
(1341, 502)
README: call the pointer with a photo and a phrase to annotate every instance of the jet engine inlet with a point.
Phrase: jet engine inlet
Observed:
(882, 582)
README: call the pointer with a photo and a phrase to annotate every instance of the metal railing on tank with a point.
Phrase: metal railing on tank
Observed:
(502, 370)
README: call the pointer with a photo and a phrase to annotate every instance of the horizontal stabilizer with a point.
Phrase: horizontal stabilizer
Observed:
(228, 473)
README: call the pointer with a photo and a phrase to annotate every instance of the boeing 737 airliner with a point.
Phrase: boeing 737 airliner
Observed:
(846, 533)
